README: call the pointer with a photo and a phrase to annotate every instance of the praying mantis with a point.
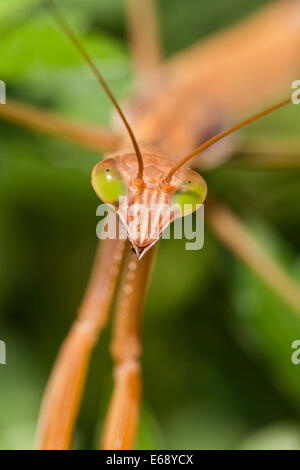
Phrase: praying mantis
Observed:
(210, 87)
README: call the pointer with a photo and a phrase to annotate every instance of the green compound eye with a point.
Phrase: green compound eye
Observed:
(190, 194)
(107, 182)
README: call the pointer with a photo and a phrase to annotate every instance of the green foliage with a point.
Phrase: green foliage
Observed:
(266, 325)
(280, 436)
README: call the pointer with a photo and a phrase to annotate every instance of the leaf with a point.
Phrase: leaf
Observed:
(278, 436)
(205, 427)
(43, 65)
(265, 326)
(149, 433)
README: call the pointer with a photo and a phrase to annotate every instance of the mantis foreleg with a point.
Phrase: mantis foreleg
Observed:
(122, 419)
(64, 391)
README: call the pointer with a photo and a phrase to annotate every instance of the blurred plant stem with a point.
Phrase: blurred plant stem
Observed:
(230, 230)
(89, 136)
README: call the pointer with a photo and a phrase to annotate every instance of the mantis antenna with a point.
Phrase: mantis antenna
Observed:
(69, 32)
(220, 136)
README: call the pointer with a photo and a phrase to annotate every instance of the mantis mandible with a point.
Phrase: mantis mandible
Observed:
(149, 163)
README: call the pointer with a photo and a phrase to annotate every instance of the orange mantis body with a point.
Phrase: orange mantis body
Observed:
(179, 107)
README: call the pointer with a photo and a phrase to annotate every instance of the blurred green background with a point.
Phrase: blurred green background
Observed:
(217, 343)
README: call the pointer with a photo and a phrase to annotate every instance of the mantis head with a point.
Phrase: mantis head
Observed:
(146, 207)
(150, 184)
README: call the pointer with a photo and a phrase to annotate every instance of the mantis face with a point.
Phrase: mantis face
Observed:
(146, 208)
